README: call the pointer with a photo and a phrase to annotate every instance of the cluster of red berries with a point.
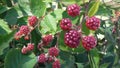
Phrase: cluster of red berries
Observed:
(26, 29)
(30, 47)
(53, 52)
(73, 36)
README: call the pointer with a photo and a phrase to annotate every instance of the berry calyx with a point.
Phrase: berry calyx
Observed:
(89, 42)
(24, 50)
(72, 38)
(56, 64)
(24, 30)
(65, 24)
(32, 21)
(73, 10)
(30, 46)
(42, 58)
(53, 51)
(93, 23)
(47, 39)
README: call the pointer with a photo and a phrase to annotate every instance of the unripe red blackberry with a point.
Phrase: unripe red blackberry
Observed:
(53, 51)
(72, 38)
(47, 39)
(24, 29)
(42, 58)
(50, 59)
(30, 46)
(56, 64)
(32, 21)
(93, 23)
(73, 10)
(26, 37)
(89, 42)
(65, 24)
(18, 35)
(24, 50)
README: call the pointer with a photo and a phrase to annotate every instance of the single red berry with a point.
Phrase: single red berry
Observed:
(39, 45)
(89, 42)
(65, 24)
(24, 29)
(24, 50)
(93, 23)
(56, 64)
(32, 21)
(18, 35)
(73, 10)
(53, 51)
(42, 58)
(30, 46)
(72, 38)
(47, 39)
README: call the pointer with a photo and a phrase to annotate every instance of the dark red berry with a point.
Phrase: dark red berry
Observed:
(89, 42)
(72, 38)
(65, 24)
(53, 51)
(24, 30)
(50, 59)
(47, 39)
(93, 23)
(32, 20)
(42, 58)
(56, 64)
(24, 50)
(30, 46)
(73, 10)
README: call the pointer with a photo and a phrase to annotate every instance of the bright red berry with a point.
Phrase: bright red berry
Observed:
(89, 42)
(42, 58)
(32, 20)
(24, 29)
(93, 23)
(30, 46)
(65, 24)
(73, 10)
(26, 37)
(72, 38)
(47, 39)
(53, 51)
(24, 50)
(56, 64)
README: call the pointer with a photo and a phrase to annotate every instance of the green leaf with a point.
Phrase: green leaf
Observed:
(93, 10)
(25, 6)
(85, 30)
(38, 7)
(4, 41)
(80, 65)
(15, 59)
(4, 29)
(48, 24)
(3, 9)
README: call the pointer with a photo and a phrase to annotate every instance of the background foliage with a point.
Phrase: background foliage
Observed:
(14, 13)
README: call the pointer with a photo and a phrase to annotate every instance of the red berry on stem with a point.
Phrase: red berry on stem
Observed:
(56, 64)
(24, 50)
(42, 58)
(53, 51)
(18, 35)
(72, 38)
(30, 46)
(89, 42)
(47, 39)
(65, 24)
(24, 30)
(93, 23)
(73, 10)
(32, 20)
